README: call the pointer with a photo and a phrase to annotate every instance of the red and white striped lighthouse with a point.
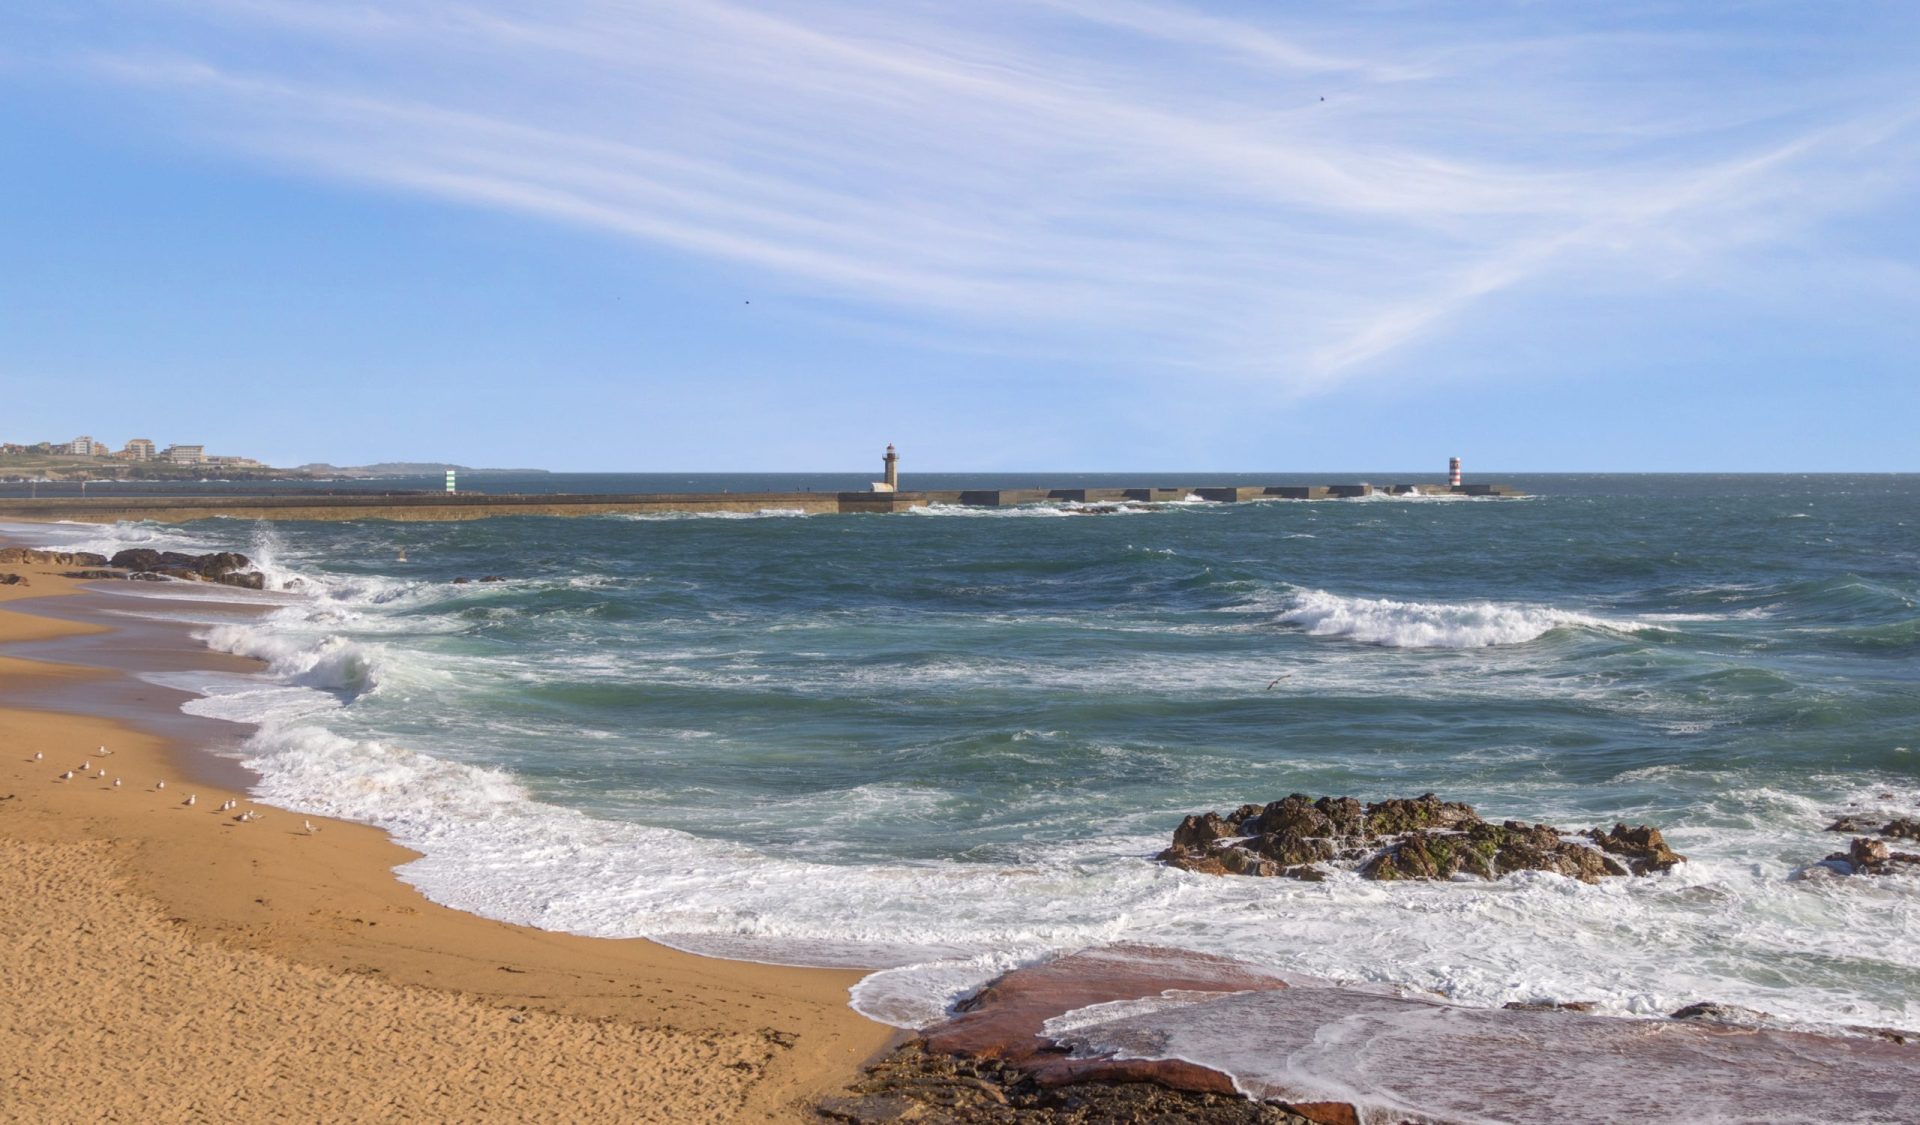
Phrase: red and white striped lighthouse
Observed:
(1453, 472)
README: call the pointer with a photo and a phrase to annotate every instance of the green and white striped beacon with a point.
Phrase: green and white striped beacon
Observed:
(450, 488)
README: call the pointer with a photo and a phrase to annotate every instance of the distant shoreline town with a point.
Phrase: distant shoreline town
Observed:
(84, 459)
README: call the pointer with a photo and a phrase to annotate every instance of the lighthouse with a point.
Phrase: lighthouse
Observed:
(1453, 471)
(891, 482)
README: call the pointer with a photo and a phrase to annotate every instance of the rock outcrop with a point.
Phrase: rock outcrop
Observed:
(991, 1064)
(228, 568)
(1867, 856)
(1902, 827)
(30, 557)
(1419, 838)
(1644, 849)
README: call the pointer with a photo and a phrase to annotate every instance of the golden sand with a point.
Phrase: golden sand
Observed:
(167, 962)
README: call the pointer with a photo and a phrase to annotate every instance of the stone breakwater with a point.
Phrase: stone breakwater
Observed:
(434, 506)
(1422, 837)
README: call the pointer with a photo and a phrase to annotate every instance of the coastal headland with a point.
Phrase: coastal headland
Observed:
(436, 506)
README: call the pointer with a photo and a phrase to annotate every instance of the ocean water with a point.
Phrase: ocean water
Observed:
(942, 744)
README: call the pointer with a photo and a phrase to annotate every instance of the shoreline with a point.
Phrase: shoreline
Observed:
(295, 920)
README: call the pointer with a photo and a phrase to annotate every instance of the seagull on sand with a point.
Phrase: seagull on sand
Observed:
(310, 828)
(159, 785)
(191, 798)
(67, 776)
(102, 752)
(37, 755)
(116, 783)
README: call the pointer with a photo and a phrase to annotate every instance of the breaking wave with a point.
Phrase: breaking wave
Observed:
(1403, 624)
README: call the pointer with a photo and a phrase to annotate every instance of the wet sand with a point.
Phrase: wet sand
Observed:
(166, 962)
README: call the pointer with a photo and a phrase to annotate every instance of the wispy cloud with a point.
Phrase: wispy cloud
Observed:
(1294, 203)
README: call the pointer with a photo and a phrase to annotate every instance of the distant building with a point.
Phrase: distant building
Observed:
(235, 462)
(184, 455)
(84, 447)
(139, 449)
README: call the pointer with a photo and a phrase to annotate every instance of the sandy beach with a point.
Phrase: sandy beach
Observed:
(165, 961)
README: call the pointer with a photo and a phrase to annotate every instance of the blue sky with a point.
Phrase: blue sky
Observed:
(1076, 234)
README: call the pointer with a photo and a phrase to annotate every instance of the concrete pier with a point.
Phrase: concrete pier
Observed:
(434, 506)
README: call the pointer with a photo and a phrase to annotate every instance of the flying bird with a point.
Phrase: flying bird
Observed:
(1277, 680)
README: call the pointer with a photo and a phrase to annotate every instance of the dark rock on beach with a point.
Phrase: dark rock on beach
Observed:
(1403, 838)
(916, 1084)
(1549, 1006)
(228, 568)
(1732, 1014)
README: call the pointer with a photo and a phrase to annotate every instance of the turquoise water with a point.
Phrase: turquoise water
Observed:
(943, 743)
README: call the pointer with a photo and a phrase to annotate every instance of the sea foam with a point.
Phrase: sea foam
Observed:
(1407, 624)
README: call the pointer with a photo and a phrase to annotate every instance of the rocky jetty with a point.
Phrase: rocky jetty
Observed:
(228, 568)
(1302, 837)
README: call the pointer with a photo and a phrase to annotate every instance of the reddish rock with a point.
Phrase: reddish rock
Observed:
(1644, 849)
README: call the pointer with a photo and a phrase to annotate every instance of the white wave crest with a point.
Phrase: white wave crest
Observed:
(106, 539)
(332, 663)
(673, 517)
(1398, 624)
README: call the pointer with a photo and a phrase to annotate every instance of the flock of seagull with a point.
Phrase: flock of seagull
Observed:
(92, 769)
